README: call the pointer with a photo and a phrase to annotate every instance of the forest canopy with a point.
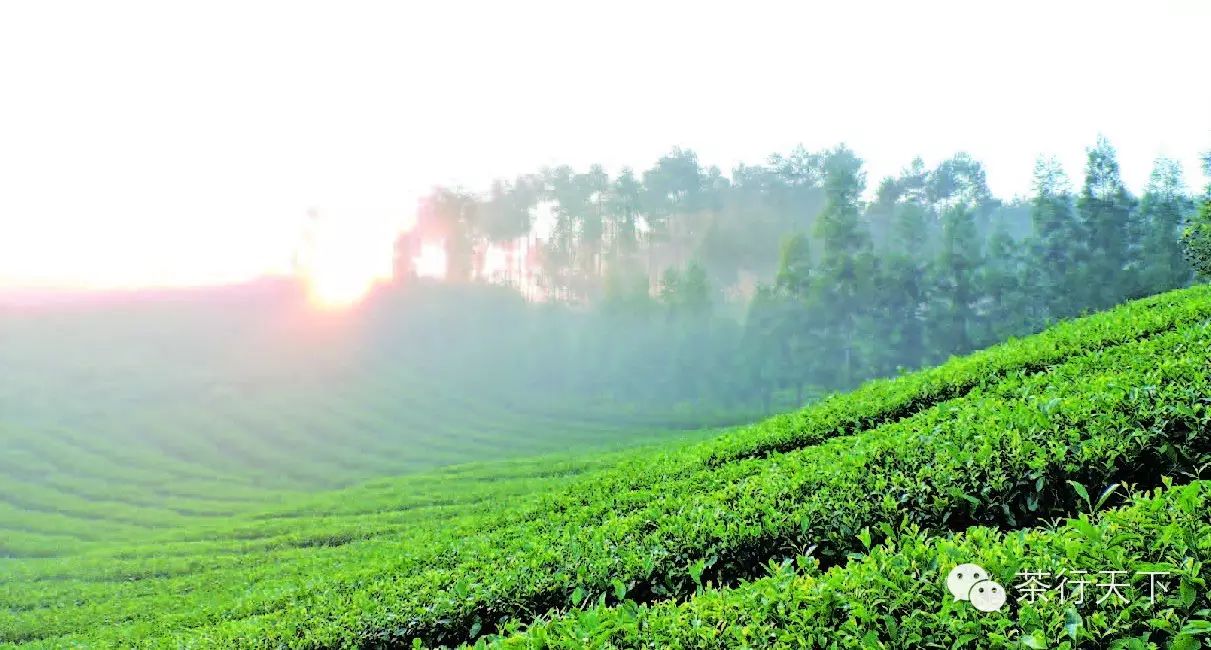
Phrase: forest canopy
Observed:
(786, 280)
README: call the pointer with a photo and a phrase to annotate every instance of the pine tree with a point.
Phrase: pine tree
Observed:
(1197, 237)
(901, 284)
(846, 264)
(955, 283)
(1106, 212)
(1010, 309)
(1056, 245)
(794, 328)
(1163, 210)
(764, 345)
(622, 211)
(794, 267)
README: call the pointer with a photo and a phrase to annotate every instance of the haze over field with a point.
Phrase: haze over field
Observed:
(352, 243)
(616, 325)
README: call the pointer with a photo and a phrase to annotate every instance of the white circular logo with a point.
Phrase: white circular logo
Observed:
(962, 577)
(987, 596)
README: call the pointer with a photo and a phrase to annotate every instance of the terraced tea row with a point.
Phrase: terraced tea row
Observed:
(55, 484)
(65, 490)
(124, 421)
(999, 455)
(883, 400)
(447, 500)
(984, 459)
(894, 594)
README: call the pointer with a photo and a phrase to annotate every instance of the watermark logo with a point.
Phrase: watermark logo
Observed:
(972, 583)
(1071, 586)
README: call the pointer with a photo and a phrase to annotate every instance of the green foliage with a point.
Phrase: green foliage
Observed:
(953, 306)
(934, 266)
(1056, 233)
(1197, 241)
(879, 400)
(894, 595)
(846, 265)
(686, 294)
(1197, 236)
(1163, 210)
(991, 440)
(1106, 211)
(795, 267)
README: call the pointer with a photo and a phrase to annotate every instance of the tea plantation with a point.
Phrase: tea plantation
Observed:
(120, 421)
(1082, 448)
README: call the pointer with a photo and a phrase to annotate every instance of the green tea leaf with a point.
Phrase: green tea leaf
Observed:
(1072, 623)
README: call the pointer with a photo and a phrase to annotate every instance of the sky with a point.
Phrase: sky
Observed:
(154, 143)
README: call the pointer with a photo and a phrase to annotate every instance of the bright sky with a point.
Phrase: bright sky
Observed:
(164, 143)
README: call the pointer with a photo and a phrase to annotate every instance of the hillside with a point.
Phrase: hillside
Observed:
(127, 416)
(835, 524)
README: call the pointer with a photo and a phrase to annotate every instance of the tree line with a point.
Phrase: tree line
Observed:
(680, 285)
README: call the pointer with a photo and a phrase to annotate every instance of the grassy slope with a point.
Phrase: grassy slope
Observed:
(448, 556)
(121, 422)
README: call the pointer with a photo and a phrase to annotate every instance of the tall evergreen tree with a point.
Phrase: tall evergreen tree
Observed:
(765, 346)
(779, 331)
(794, 327)
(674, 195)
(594, 186)
(893, 195)
(1010, 310)
(960, 180)
(622, 210)
(1163, 211)
(1106, 211)
(955, 283)
(1197, 236)
(846, 262)
(794, 276)
(1056, 246)
(902, 278)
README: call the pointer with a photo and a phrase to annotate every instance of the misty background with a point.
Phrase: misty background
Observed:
(661, 301)
(583, 224)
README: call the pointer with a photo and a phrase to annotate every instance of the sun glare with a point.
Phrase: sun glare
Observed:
(431, 263)
(338, 288)
(341, 260)
(340, 279)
